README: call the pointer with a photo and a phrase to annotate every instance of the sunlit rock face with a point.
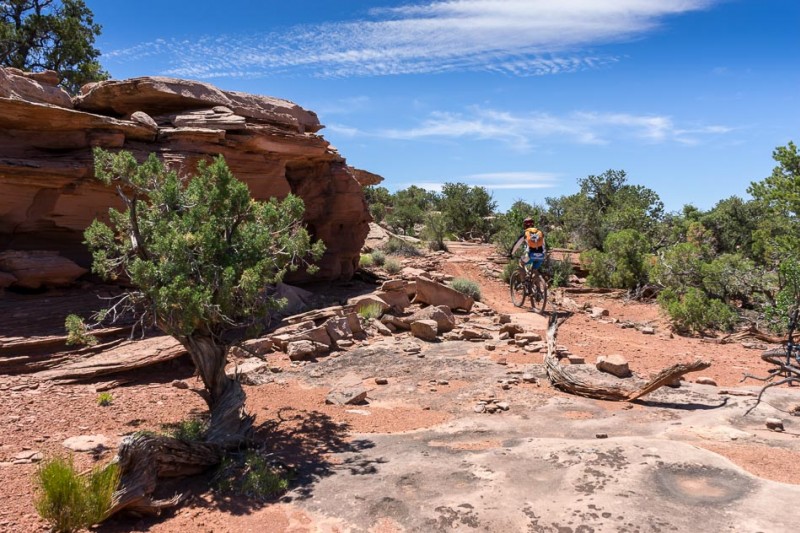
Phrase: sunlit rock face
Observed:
(48, 195)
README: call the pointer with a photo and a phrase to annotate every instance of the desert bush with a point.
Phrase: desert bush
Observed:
(398, 246)
(77, 331)
(509, 269)
(731, 277)
(70, 502)
(189, 430)
(251, 474)
(371, 310)
(392, 265)
(558, 270)
(435, 231)
(787, 298)
(467, 287)
(623, 264)
(378, 257)
(693, 311)
(365, 261)
(105, 399)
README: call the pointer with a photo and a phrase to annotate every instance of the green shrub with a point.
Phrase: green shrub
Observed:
(623, 264)
(371, 310)
(695, 312)
(105, 399)
(509, 269)
(559, 270)
(467, 287)
(378, 257)
(378, 212)
(399, 246)
(78, 332)
(435, 231)
(392, 265)
(787, 298)
(365, 261)
(190, 430)
(251, 475)
(69, 501)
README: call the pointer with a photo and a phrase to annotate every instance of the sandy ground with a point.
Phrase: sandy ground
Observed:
(389, 465)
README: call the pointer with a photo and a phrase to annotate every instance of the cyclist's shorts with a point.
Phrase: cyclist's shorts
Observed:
(535, 259)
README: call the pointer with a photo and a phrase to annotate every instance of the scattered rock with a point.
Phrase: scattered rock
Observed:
(38, 268)
(648, 330)
(424, 329)
(527, 377)
(304, 349)
(614, 364)
(87, 443)
(27, 456)
(347, 393)
(601, 435)
(703, 380)
(381, 381)
(511, 330)
(179, 384)
(775, 424)
(433, 293)
(597, 312)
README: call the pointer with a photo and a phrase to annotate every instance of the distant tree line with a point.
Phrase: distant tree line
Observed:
(709, 269)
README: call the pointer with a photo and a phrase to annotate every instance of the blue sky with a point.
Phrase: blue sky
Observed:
(523, 97)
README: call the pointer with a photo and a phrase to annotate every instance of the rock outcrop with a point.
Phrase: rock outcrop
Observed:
(48, 195)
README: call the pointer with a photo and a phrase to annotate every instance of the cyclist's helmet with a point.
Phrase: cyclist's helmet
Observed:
(527, 223)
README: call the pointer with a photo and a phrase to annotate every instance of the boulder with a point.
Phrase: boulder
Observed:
(614, 364)
(441, 314)
(39, 268)
(338, 329)
(433, 293)
(511, 330)
(301, 350)
(347, 391)
(394, 285)
(397, 300)
(424, 329)
(87, 443)
(248, 371)
(48, 196)
(361, 302)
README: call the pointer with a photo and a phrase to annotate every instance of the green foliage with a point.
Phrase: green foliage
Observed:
(435, 231)
(607, 204)
(467, 287)
(200, 251)
(509, 225)
(731, 224)
(731, 277)
(787, 297)
(679, 266)
(465, 210)
(778, 196)
(399, 246)
(509, 269)
(251, 475)
(378, 257)
(104, 399)
(70, 502)
(694, 311)
(37, 35)
(409, 207)
(370, 310)
(189, 430)
(392, 265)
(77, 332)
(365, 261)
(623, 264)
(558, 270)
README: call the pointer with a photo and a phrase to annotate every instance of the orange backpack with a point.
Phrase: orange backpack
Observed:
(534, 238)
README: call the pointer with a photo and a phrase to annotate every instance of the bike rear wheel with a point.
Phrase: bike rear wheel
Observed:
(538, 292)
(518, 292)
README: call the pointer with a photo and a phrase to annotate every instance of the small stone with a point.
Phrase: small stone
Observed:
(505, 386)
(614, 364)
(28, 456)
(575, 359)
(775, 424)
(648, 330)
(479, 408)
(86, 443)
(702, 380)
(597, 312)
(503, 318)
(442, 382)
(381, 381)
(503, 406)
(502, 361)
(344, 343)
(490, 347)
(527, 377)
(601, 435)
(179, 384)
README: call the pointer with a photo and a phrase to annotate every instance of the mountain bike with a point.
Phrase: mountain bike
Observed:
(527, 282)
(786, 361)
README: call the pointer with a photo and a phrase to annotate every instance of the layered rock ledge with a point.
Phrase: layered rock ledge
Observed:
(48, 195)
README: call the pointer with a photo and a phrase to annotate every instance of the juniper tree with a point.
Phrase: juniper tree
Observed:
(200, 254)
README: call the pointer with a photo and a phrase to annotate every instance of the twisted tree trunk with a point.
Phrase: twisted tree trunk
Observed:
(145, 458)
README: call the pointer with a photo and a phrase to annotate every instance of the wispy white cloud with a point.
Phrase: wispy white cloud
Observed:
(523, 130)
(517, 37)
(496, 181)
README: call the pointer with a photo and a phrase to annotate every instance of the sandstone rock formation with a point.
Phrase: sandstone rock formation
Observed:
(48, 195)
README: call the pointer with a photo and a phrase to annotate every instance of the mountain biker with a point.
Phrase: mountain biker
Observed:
(533, 239)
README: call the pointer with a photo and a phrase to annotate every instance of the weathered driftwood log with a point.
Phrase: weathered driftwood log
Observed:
(565, 380)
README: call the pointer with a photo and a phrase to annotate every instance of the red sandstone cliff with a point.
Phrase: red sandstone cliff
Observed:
(48, 195)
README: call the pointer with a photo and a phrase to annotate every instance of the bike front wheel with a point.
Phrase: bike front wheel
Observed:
(517, 283)
(538, 292)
